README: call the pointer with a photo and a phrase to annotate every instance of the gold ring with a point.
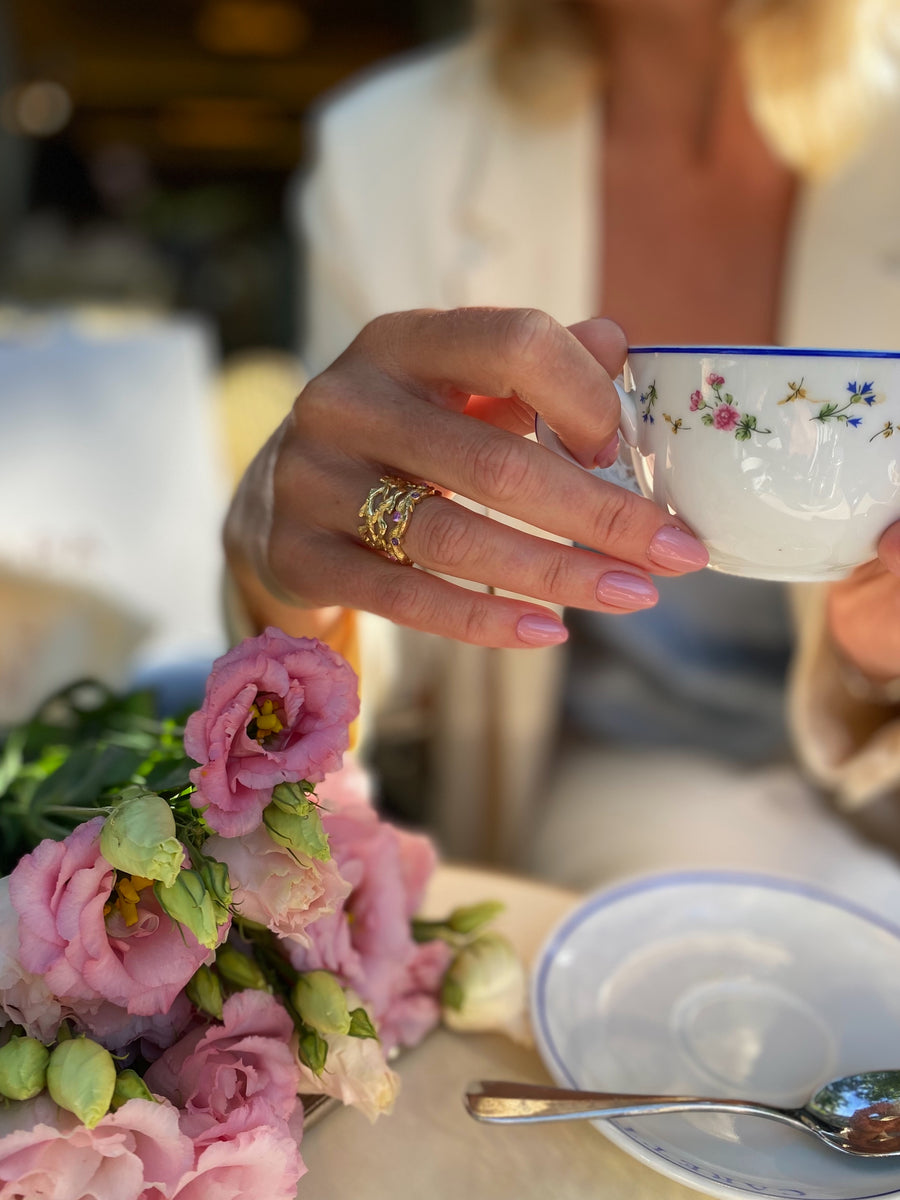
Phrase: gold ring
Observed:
(386, 514)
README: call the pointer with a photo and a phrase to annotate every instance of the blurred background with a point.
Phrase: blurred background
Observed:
(144, 149)
(147, 309)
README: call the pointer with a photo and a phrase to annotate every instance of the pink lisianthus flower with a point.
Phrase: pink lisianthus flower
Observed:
(59, 892)
(263, 1161)
(24, 998)
(247, 1060)
(272, 886)
(277, 710)
(696, 400)
(726, 417)
(368, 944)
(131, 1154)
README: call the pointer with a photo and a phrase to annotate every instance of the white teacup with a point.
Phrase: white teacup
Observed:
(784, 462)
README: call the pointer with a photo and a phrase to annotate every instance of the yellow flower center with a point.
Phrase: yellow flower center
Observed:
(265, 721)
(126, 896)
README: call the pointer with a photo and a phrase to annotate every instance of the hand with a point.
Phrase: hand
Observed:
(444, 397)
(864, 612)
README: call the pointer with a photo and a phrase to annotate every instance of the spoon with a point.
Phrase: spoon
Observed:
(859, 1114)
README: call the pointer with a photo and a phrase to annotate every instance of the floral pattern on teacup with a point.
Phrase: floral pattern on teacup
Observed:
(720, 411)
(860, 393)
(647, 400)
(887, 430)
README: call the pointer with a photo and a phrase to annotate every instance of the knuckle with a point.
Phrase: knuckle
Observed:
(530, 335)
(614, 521)
(474, 624)
(500, 466)
(400, 598)
(555, 576)
(444, 534)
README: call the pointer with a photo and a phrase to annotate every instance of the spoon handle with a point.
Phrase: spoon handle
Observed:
(501, 1102)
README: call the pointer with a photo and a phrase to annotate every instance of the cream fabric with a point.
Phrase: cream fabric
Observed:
(428, 190)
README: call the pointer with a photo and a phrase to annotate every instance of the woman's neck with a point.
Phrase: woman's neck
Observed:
(670, 74)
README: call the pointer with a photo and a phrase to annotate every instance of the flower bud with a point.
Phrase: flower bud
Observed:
(188, 902)
(130, 1086)
(293, 821)
(215, 877)
(473, 916)
(138, 837)
(484, 987)
(239, 969)
(81, 1077)
(321, 1003)
(205, 992)
(23, 1068)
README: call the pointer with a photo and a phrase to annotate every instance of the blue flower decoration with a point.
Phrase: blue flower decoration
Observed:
(864, 392)
(854, 421)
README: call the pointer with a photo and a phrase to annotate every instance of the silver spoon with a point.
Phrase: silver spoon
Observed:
(859, 1114)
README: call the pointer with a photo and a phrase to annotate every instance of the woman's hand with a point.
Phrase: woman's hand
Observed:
(864, 612)
(444, 397)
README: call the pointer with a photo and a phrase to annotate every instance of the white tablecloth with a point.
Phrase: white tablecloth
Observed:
(429, 1148)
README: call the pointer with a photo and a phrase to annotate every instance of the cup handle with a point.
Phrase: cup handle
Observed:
(629, 418)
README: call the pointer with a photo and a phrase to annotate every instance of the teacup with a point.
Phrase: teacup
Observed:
(784, 462)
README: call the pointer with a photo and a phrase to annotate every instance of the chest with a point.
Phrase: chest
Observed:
(693, 257)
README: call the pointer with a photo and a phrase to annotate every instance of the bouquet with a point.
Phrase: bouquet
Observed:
(200, 926)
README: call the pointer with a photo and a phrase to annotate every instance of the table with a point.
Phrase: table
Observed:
(429, 1146)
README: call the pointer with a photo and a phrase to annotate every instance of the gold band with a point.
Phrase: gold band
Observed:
(386, 514)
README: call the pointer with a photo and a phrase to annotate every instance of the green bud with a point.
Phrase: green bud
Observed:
(138, 837)
(215, 876)
(293, 821)
(239, 969)
(321, 1003)
(23, 1068)
(484, 987)
(312, 1051)
(188, 902)
(81, 1077)
(473, 916)
(205, 992)
(130, 1086)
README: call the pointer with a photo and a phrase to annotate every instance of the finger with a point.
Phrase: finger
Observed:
(341, 572)
(506, 353)
(446, 537)
(889, 548)
(527, 482)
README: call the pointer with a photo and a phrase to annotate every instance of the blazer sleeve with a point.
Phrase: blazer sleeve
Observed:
(846, 742)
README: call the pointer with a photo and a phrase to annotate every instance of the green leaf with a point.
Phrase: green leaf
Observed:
(312, 1051)
(360, 1024)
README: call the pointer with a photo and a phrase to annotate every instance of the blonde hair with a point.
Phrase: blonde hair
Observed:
(818, 71)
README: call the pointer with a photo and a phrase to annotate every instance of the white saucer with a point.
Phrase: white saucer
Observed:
(724, 984)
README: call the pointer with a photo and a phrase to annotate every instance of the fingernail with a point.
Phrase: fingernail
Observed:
(672, 547)
(538, 630)
(608, 454)
(626, 591)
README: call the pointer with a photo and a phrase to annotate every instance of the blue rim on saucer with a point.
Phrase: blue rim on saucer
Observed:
(556, 945)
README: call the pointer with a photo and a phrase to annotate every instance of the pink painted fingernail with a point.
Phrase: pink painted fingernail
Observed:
(679, 551)
(626, 591)
(537, 630)
(608, 454)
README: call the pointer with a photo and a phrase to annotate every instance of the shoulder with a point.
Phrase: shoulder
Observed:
(405, 95)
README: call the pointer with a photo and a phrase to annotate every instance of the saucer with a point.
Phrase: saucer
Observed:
(723, 984)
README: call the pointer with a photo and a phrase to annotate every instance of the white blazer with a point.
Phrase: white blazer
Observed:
(428, 190)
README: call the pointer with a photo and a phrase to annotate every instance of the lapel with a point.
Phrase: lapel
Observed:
(842, 279)
(525, 216)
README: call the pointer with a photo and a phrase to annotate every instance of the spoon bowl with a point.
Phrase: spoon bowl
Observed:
(856, 1114)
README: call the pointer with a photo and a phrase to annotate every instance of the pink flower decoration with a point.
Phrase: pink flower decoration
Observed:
(696, 400)
(263, 1162)
(276, 888)
(313, 693)
(726, 417)
(715, 380)
(134, 1153)
(246, 1062)
(59, 892)
(368, 944)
